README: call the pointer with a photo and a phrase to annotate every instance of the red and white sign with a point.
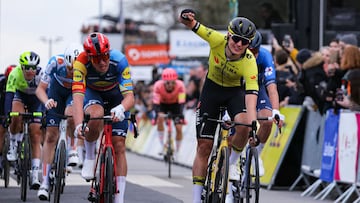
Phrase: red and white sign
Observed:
(147, 54)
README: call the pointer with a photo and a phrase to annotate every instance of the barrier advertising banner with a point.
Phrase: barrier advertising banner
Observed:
(329, 146)
(347, 148)
(277, 144)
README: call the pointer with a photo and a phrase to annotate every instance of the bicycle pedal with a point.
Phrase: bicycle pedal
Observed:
(92, 197)
(91, 179)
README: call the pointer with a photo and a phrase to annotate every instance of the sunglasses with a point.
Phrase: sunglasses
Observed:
(100, 57)
(29, 67)
(238, 38)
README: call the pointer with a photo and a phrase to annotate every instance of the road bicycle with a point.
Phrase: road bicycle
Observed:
(5, 175)
(215, 187)
(23, 165)
(169, 148)
(247, 188)
(104, 187)
(58, 171)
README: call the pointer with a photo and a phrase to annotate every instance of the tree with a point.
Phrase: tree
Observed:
(165, 12)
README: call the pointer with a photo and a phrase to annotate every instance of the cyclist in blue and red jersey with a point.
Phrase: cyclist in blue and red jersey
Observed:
(54, 91)
(102, 85)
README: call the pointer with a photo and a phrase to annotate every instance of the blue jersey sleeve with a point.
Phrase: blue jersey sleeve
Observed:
(125, 80)
(265, 62)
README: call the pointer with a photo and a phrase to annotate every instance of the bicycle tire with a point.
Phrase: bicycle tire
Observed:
(108, 177)
(206, 196)
(221, 176)
(25, 166)
(60, 171)
(169, 153)
(6, 163)
(252, 180)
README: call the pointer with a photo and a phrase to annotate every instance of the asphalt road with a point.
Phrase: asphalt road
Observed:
(147, 182)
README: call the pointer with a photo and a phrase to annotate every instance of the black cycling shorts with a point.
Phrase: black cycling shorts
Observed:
(212, 98)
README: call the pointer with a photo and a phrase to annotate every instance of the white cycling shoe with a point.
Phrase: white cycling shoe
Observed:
(87, 172)
(35, 182)
(43, 193)
(234, 173)
(12, 153)
(73, 158)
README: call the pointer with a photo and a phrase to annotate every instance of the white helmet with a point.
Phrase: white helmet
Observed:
(71, 53)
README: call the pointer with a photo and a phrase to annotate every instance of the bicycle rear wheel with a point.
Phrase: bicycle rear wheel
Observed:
(221, 176)
(25, 166)
(107, 178)
(6, 163)
(252, 179)
(60, 171)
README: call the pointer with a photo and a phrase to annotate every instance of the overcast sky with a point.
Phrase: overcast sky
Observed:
(24, 22)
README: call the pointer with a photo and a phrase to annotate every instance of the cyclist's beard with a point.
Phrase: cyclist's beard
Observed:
(168, 90)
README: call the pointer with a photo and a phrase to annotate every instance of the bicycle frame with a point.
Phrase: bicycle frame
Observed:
(58, 176)
(98, 189)
(24, 162)
(250, 181)
(217, 175)
(170, 149)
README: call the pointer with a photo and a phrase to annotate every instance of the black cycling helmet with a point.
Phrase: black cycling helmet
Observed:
(256, 42)
(243, 27)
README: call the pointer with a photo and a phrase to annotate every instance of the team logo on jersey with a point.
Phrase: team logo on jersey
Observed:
(77, 76)
(126, 73)
(216, 59)
(268, 71)
(60, 61)
(253, 77)
(249, 56)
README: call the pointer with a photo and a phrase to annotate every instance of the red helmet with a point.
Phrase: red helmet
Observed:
(169, 74)
(8, 70)
(96, 43)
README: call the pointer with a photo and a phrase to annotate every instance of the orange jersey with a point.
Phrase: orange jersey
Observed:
(161, 96)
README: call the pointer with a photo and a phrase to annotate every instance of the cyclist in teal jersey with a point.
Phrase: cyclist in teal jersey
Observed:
(20, 92)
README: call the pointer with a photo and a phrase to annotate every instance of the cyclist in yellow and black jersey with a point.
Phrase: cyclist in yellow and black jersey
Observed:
(229, 62)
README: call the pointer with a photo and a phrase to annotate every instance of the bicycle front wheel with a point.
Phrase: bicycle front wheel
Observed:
(108, 177)
(25, 166)
(60, 171)
(252, 179)
(221, 176)
(169, 155)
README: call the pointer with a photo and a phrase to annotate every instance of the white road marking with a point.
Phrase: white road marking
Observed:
(150, 181)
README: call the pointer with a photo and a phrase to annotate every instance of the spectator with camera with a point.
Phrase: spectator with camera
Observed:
(350, 97)
(287, 45)
(350, 60)
(286, 76)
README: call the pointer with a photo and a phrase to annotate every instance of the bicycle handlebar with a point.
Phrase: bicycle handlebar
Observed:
(26, 114)
(108, 118)
(276, 117)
